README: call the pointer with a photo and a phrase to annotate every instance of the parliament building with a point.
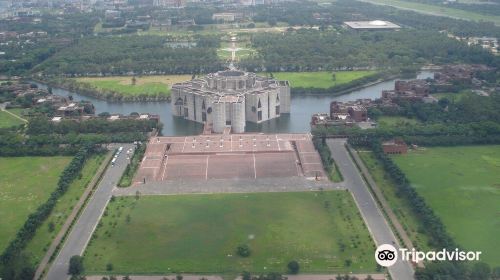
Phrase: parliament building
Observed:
(230, 99)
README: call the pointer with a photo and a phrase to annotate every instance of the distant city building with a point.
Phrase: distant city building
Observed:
(177, 4)
(230, 99)
(371, 25)
(227, 17)
(112, 14)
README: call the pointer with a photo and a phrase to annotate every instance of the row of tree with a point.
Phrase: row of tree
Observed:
(431, 223)
(37, 126)
(13, 264)
(135, 161)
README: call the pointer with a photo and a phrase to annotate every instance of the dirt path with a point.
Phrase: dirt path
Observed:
(2, 108)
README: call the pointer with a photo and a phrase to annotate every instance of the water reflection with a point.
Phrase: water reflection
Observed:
(298, 121)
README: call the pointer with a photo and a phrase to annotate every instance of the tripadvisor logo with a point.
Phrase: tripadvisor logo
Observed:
(386, 255)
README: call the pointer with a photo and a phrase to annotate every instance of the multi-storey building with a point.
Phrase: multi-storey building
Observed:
(230, 99)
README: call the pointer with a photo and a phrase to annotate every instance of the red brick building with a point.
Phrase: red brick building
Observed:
(355, 111)
(395, 146)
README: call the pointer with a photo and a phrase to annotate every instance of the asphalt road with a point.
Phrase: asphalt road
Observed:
(374, 219)
(80, 235)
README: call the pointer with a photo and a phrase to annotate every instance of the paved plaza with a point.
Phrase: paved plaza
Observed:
(234, 156)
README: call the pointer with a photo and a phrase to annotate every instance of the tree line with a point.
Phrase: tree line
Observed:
(132, 54)
(431, 223)
(313, 50)
(15, 265)
(45, 138)
(41, 125)
(135, 161)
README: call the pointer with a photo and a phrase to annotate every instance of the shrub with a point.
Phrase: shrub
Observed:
(109, 267)
(243, 251)
(293, 267)
(75, 265)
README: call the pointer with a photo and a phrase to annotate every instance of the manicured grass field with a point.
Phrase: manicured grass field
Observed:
(322, 79)
(462, 185)
(18, 111)
(26, 183)
(7, 120)
(399, 205)
(437, 10)
(395, 121)
(41, 241)
(145, 85)
(200, 233)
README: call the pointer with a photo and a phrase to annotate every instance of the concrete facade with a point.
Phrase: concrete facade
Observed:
(229, 99)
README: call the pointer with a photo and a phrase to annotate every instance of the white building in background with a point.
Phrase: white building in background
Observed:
(229, 99)
(372, 25)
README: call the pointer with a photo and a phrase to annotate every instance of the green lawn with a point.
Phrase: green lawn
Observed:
(399, 206)
(26, 182)
(437, 10)
(7, 120)
(200, 233)
(144, 85)
(452, 96)
(41, 241)
(18, 111)
(462, 185)
(322, 79)
(335, 175)
(395, 121)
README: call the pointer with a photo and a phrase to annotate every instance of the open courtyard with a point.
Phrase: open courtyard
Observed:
(462, 185)
(234, 156)
(323, 231)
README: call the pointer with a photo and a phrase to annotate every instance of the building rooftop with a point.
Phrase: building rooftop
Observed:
(374, 24)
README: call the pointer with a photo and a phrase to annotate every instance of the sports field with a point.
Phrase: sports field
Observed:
(144, 85)
(462, 185)
(323, 231)
(322, 79)
(26, 183)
